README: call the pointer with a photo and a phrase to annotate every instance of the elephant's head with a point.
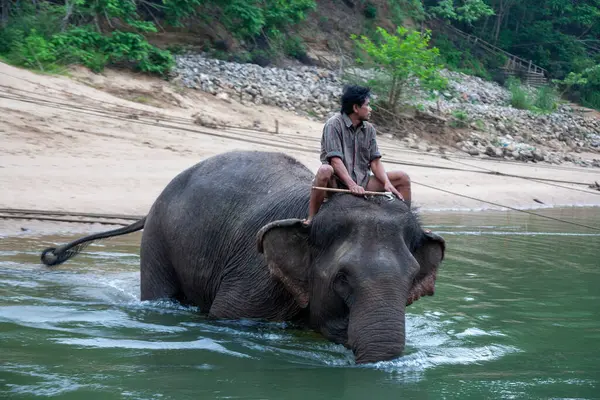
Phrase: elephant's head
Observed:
(357, 267)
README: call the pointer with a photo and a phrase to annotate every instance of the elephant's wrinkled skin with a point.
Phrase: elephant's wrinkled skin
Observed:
(224, 235)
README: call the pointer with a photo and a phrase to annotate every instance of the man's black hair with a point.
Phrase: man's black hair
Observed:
(354, 94)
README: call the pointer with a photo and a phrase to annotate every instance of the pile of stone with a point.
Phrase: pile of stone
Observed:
(525, 136)
(312, 90)
(492, 128)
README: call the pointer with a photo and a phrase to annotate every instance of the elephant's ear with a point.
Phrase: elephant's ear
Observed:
(285, 246)
(429, 255)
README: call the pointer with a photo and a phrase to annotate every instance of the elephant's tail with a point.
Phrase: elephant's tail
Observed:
(58, 255)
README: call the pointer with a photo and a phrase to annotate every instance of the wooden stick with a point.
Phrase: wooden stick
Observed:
(348, 191)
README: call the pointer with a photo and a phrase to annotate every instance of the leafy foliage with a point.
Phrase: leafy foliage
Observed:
(468, 11)
(402, 59)
(463, 57)
(459, 119)
(101, 32)
(82, 31)
(561, 36)
(519, 98)
(583, 86)
(542, 100)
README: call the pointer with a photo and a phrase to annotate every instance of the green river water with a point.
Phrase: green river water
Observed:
(516, 315)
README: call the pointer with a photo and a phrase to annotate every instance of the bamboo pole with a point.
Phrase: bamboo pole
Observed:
(369, 193)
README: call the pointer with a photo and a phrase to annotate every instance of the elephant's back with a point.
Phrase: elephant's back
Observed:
(244, 170)
(208, 217)
(239, 176)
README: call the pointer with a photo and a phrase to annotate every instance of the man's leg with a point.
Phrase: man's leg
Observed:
(324, 175)
(400, 180)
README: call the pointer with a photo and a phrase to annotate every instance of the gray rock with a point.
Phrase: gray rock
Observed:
(538, 155)
(473, 151)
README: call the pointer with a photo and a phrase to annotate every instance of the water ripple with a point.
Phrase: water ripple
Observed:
(104, 343)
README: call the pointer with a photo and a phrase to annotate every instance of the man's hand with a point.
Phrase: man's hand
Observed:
(388, 187)
(357, 190)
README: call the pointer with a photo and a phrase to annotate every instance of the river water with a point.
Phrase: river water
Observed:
(516, 315)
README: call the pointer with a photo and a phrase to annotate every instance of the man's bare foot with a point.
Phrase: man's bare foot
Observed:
(306, 222)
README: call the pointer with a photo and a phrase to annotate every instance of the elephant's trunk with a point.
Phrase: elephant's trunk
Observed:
(376, 330)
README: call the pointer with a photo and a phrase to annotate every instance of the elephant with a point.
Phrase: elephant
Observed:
(226, 235)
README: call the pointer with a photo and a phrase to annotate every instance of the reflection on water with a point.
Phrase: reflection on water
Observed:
(514, 316)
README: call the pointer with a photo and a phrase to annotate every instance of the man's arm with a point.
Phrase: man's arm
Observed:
(340, 170)
(381, 175)
(379, 172)
(378, 169)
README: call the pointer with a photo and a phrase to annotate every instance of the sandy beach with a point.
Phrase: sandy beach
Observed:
(110, 143)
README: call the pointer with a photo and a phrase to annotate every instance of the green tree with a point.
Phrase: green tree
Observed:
(467, 11)
(248, 19)
(404, 58)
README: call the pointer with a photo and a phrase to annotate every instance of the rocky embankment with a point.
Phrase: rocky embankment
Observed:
(477, 109)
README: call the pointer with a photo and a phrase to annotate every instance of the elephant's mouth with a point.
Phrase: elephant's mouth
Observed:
(422, 287)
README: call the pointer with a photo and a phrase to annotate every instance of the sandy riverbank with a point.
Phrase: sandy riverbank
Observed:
(76, 144)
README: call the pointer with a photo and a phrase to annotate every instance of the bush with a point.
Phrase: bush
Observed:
(591, 99)
(132, 50)
(370, 11)
(542, 100)
(262, 57)
(546, 99)
(33, 51)
(293, 47)
(584, 86)
(43, 36)
(460, 119)
(90, 48)
(518, 96)
(81, 46)
(248, 19)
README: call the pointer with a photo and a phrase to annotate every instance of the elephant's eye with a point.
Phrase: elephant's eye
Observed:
(342, 287)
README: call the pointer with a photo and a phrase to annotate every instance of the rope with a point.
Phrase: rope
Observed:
(103, 113)
(538, 180)
(70, 220)
(510, 208)
(184, 121)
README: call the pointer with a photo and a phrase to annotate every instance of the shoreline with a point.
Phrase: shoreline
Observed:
(11, 228)
(59, 158)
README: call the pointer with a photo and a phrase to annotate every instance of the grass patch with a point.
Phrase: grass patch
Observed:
(480, 124)
(591, 100)
(459, 119)
(542, 100)
(546, 99)
(142, 99)
(518, 96)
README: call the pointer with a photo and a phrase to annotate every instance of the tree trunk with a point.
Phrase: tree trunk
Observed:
(5, 12)
(484, 28)
(392, 94)
(68, 11)
(497, 26)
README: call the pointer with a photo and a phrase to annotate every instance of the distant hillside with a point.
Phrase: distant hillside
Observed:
(560, 36)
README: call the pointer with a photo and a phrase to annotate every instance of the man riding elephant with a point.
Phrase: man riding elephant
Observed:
(349, 153)
(225, 235)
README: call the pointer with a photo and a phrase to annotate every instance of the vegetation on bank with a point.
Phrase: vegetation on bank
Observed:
(561, 36)
(47, 34)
